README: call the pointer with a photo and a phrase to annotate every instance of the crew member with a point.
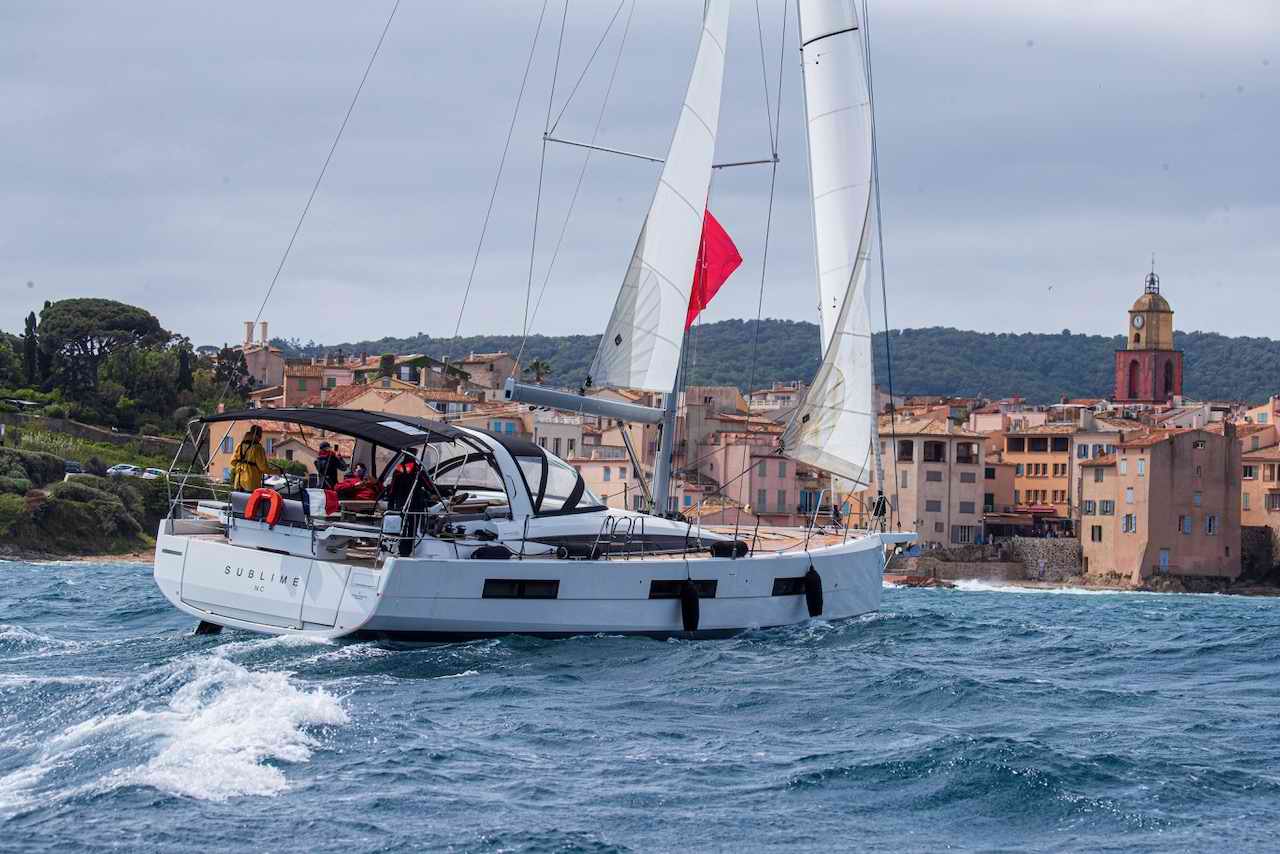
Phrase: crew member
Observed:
(328, 464)
(249, 463)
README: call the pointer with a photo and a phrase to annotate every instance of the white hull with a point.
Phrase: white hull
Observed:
(422, 599)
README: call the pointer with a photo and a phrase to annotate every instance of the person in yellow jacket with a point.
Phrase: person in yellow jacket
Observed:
(249, 463)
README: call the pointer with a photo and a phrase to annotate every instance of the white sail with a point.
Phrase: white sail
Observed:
(834, 427)
(641, 346)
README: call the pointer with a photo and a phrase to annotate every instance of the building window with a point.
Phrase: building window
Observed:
(988, 502)
(226, 475)
(1097, 474)
(1195, 498)
(556, 446)
(935, 452)
(1269, 472)
(1262, 418)
(932, 506)
(1061, 444)
(1198, 444)
(227, 445)
(1017, 497)
(967, 507)
(782, 468)
(511, 426)
(288, 455)
(1039, 445)
(386, 382)
(542, 441)
(1273, 502)
(782, 501)
(270, 445)
(1244, 499)
(1129, 523)
(962, 535)
(906, 450)
(938, 527)
(1017, 469)
(1184, 524)
(1095, 533)
(1082, 452)
(968, 477)
(904, 478)
(1019, 444)
(688, 501)
(608, 473)
(1098, 450)
(1253, 443)
(989, 473)
(622, 473)
(1089, 507)
(1106, 507)
(637, 502)
(1142, 467)
(571, 444)
(933, 476)
(330, 382)
(1128, 495)
(1250, 472)
(1124, 466)
(762, 469)
(762, 500)
(1211, 525)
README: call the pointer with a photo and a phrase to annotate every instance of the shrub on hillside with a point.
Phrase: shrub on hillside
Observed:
(37, 467)
(14, 485)
(13, 515)
(79, 511)
(54, 410)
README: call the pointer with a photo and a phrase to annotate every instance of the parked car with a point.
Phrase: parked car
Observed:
(154, 474)
(124, 470)
(72, 467)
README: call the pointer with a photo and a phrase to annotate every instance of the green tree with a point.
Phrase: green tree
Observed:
(231, 373)
(539, 369)
(387, 365)
(185, 380)
(31, 353)
(81, 333)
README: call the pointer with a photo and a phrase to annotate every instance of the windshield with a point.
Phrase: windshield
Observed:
(460, 465)
(562, 490)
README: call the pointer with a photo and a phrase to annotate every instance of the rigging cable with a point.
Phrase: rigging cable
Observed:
(542, 164)
(768, 224)
(884, 293)
(502, 161)
(582, 172)
(315, 188)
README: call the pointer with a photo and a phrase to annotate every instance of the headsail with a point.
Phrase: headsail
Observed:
(834, 427)
(641, 346)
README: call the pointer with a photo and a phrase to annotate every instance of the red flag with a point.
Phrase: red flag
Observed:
(717, 259)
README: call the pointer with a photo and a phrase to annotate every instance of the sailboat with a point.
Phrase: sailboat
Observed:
(483, 534)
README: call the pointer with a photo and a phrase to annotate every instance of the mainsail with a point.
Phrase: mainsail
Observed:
(641, 346)
(834, 426)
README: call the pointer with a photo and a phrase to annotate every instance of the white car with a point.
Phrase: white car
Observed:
(124, 470)
(154, 474)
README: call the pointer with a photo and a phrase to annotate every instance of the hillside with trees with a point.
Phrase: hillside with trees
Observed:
(934, 360)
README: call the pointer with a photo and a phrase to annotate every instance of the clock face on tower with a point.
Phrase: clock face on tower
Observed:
(1137, 321)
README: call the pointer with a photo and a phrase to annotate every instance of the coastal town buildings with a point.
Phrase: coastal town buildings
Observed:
(265, 362)
(936, 480)
(1167, 502)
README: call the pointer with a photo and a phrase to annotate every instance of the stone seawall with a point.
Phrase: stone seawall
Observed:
(1048, 559)
(960, 570)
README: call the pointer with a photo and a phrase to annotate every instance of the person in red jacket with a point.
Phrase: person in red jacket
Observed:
(358, 486)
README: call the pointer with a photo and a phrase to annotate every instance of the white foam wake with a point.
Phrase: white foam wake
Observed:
(220, 735)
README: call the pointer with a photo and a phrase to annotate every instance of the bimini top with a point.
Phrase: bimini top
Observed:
(380, 428)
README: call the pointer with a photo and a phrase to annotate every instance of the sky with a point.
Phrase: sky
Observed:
(1033, 156)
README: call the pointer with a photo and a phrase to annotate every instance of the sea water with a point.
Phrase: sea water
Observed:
(968, 719)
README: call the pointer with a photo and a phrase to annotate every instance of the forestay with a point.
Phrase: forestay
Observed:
(641, 346)
(834, 426)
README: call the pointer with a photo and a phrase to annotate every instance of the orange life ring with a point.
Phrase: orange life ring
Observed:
(274, 505)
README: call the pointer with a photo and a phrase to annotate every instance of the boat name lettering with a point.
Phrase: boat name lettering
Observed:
(262, 575)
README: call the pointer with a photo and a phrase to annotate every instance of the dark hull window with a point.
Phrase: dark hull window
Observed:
(789, 586)
(520, 588)
(664, 589)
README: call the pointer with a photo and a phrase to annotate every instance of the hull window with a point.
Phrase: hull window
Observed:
(667, 589)
(520, 588)
(789, 586)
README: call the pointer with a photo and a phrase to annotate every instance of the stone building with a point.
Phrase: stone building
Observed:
(1165, 503)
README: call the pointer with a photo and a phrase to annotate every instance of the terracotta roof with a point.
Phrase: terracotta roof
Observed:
(1154, 437)
(1104, 460)
(304, 370)
(1263, 455)
(926, 427)
(480, 358)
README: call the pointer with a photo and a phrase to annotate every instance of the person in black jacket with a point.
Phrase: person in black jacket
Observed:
(328, 465)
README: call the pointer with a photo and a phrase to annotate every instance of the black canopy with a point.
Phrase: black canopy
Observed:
(380, 428)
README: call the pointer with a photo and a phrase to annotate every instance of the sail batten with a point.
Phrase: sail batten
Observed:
(641, 345)
(834, 426)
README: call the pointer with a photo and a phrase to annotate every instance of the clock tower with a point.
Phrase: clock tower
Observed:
(1148, 369)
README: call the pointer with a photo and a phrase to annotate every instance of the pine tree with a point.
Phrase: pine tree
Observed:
(31, 352)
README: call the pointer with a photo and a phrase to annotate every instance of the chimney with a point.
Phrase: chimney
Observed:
(422, 377)
(263, 328)
(324, 395)
(248, 332)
